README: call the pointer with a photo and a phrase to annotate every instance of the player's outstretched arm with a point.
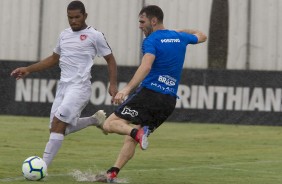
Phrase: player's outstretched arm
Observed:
(200, 35)
(48, 62)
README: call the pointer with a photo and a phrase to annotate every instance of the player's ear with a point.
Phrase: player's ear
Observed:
(85, 16)
(154, 20)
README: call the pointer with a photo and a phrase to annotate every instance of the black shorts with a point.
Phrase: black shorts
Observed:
(147, 108)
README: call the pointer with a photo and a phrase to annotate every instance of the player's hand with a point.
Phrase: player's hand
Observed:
(119, 98)
(113, 91)
(121, 95)
(20, 73)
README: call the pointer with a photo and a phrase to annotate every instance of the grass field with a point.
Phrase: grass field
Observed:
(179, 153)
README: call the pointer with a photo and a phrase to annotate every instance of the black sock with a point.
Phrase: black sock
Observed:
(133, 133)
(112, 169)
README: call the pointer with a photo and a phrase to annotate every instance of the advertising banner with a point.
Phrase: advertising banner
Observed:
(207, 96)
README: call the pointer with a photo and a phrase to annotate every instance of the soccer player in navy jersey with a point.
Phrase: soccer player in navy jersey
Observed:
(156, 80)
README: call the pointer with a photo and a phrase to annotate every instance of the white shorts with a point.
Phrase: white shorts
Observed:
(70, 100)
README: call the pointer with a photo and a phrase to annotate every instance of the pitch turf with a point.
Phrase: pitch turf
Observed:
(179, 153)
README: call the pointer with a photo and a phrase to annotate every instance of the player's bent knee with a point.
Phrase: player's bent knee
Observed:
(107, 126)
(110, 123)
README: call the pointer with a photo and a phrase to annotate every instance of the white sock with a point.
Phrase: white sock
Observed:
(81, 124)
(52, 147)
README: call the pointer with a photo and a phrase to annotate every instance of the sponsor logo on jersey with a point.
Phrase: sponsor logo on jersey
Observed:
(132, 113)
(83, 37)
(160, 87)
(170, 40)
(168, 80)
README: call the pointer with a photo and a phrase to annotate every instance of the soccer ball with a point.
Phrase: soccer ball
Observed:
(34, 168)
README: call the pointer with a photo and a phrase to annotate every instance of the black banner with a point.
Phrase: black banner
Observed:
(208, 96)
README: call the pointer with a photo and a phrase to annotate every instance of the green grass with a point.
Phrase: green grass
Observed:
(179, 153)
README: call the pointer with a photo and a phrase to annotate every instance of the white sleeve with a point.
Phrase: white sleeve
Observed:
(57, 49)
(103, 48)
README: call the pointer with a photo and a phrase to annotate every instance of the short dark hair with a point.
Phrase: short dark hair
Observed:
(76, 5)
(153, 11)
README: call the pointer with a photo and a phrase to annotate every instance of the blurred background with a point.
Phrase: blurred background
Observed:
(243, 32)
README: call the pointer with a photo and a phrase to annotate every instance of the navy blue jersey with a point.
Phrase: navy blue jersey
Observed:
(169, 48)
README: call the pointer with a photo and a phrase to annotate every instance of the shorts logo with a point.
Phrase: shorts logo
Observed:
(62, 115)
(132, 113)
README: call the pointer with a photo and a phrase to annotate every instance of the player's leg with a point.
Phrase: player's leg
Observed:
(55, 140)
(57, 127)
(96, 119)
(133, 110)
(114, 124)
(153, 112)
(126, 153)
(66, 109)
(77, 97)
